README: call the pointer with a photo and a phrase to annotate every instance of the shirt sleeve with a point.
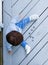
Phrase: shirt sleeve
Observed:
(8, 46)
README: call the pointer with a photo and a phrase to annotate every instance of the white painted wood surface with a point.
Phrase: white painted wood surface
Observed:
(0, 11)
(36, 35)
(0, 14)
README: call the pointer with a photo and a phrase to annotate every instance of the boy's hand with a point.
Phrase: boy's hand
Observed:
(10, 52)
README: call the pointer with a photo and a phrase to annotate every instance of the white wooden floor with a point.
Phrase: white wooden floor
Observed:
(35, 34)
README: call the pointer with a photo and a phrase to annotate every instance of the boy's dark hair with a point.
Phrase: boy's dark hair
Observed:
(14, 38)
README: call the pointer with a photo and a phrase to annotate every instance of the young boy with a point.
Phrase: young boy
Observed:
(14, 34)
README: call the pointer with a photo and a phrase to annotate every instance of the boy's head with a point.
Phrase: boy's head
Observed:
(14, 38)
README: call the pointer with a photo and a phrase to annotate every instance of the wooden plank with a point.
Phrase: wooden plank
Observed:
(35, 10)
(1, 59)
(13, 3)
(0, 39)
(35, 25)
(21, 5)
(45, 62)
(40, 57)
(7, 6)
(38, 34)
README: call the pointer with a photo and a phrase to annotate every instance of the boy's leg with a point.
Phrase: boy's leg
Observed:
(26, 47)
(25, 21)
(23, 44)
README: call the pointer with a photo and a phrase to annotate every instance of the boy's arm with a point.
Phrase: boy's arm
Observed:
(16, 19)
(9, 48)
